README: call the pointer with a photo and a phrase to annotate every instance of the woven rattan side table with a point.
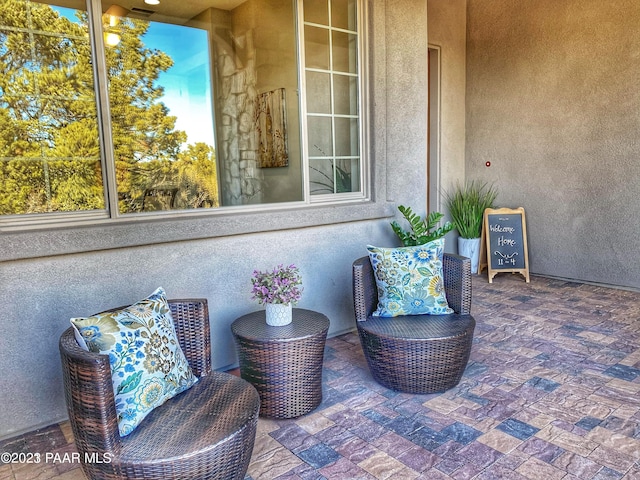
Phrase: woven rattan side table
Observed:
(283, 363)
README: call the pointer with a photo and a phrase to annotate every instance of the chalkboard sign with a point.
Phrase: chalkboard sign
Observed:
(505, 242)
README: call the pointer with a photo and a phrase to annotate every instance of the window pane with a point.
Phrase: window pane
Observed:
(348, 175)
(320, 137)
(321, 179)
(316, 11)
(161, 115)
(344, 52)
(49, 143)
(256, 100)
(347, 140)
(205, 115)
(345, 91)
(329, 177)
(318, 92)
(316, 42)
(335, 133)
(343, 14)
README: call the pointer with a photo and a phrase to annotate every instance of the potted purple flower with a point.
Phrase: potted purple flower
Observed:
(278, 290)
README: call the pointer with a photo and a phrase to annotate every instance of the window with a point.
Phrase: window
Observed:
(109, 112)
(331, 71)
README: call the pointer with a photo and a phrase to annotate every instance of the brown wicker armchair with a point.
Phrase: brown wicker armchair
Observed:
(422, 353)
(207, 432)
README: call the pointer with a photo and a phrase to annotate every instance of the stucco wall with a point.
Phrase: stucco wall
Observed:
(553, 103)
(447, 30)
(405, 121)
(40, 294)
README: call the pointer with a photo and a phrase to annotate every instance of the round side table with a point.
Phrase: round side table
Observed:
(283, 363)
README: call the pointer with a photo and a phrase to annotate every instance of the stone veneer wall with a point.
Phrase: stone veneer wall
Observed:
(235, 97)
(253, 54)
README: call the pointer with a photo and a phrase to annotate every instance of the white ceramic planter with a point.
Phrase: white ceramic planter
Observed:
(278, 314)
(470, 247)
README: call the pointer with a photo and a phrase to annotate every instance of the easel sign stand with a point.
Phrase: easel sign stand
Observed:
(503, 247)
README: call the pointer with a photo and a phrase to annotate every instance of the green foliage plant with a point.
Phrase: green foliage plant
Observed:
(422, 230)
(467, 203)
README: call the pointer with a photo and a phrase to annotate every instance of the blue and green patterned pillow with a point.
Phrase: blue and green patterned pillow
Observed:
(148, 366)
(409, 280)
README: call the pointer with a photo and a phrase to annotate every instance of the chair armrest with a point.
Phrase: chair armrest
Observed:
(89, 395)
(457, 282)
(365, 290)
(191, 319)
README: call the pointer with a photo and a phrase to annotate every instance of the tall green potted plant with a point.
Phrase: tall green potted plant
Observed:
(467, 203)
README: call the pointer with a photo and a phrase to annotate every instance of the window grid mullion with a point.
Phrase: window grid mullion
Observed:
(332, 105)
(94, 11)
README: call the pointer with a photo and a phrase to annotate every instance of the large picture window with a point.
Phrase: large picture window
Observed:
(109, 111)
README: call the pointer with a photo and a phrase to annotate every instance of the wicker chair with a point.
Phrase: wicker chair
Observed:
(207, 432)
(422, 353)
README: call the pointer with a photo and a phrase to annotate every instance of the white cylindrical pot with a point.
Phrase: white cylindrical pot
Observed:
(470, 247)
(279, 314)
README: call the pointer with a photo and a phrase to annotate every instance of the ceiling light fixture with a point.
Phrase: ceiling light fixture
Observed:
(152, 2)
(111, 39)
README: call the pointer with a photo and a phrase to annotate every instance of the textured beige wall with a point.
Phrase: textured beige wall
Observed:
(447, 30)
(553, 103)
(406, 102)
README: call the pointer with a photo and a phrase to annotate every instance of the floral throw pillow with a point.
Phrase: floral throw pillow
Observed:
(148, 366)
(409, 280)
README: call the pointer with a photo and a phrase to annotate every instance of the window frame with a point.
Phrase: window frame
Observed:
(362, 115)
(73, 232)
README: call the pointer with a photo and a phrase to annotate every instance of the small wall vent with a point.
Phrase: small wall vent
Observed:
(142, 11)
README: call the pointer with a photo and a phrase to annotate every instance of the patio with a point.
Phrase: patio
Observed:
(551, 392)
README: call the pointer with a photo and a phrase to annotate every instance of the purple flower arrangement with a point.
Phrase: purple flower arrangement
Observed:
(282, 285)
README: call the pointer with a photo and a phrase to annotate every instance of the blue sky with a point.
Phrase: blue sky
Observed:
(187, 85)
